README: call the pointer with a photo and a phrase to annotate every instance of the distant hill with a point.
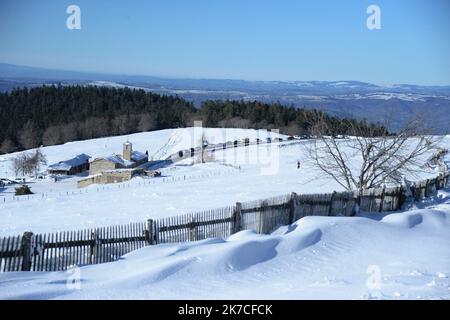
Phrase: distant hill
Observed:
(341, 98)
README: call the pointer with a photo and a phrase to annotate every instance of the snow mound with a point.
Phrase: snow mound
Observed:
(299, 239)
(406, 221)
(249, 253)
(316, 257)
(430, 218)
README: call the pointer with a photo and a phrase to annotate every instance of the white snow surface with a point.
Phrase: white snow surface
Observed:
(401, 255)
(236, 176)
(394, 256)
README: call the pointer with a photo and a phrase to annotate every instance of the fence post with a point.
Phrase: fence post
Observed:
(380, 209)
(150, 232)
(26, 251)
(237, 218)
(372, 199)
(441, 181)
(423, 190)
(405, 194)
(262, 215)
(351, 201)
(413, 192)
(92, 246)
(292, 207)
(192, 229)
(330, 208)
(358, 199)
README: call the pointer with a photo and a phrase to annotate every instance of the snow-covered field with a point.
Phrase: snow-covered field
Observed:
(389, 256)
(238, 175)
(396, 256)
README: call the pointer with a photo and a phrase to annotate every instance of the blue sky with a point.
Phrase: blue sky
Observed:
(234, 39)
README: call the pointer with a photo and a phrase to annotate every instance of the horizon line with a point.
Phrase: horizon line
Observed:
(101, 73)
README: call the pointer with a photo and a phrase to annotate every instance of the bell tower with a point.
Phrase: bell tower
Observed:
(127, 150)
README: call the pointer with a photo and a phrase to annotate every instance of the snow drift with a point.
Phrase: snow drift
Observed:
(400, 256)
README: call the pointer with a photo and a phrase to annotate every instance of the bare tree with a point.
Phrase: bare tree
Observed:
(17, 165)
(369, 157)
(22, 164)
(7, 146)
(235, 122)
(70, 132)
(52, 135)
(120, 124)
(28, 137)
(93, 127)
(37, 160)
(147, 122)
(28, 163)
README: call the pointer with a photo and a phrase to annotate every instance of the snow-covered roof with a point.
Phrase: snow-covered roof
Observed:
(121, 170)
(116, 159)
(135, 156)
(68, 164)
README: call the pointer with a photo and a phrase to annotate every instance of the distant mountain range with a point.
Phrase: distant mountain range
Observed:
(342, 98)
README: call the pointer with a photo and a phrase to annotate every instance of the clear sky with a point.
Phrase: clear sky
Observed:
(234, 39)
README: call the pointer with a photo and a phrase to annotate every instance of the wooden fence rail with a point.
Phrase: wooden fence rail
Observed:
(63, 250)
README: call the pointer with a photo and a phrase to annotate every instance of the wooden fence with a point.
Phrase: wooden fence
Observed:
(63, 250)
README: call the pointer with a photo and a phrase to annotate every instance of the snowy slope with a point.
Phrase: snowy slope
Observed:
(397, 256)
(236, 176)
(154, 141)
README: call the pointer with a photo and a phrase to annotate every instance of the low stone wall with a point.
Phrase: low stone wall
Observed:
(83, 183)
(107, 177)
(116, 176)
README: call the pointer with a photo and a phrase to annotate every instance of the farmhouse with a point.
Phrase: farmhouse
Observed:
(117, 168)
(78, 164)
(129, 159)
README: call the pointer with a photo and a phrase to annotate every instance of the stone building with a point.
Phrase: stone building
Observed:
(116, 168)
(128, 160)
(78, 164)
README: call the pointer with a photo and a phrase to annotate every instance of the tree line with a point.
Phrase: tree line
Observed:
(288, 119)
(50, 115)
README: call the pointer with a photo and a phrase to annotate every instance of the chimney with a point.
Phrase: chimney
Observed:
(127, 149)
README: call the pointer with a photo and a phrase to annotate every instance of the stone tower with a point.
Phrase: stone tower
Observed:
(127, 150)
